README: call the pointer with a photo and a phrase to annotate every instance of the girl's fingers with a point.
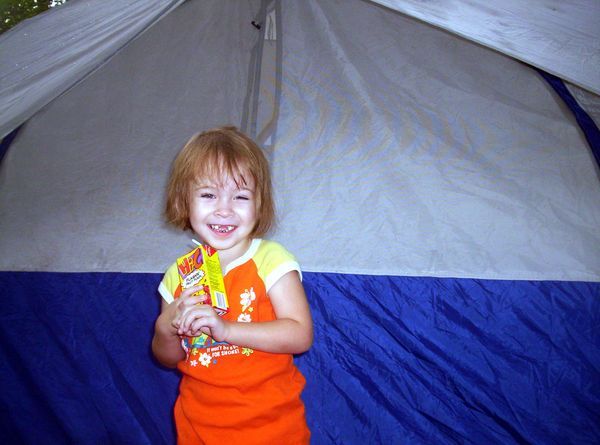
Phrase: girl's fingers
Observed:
(183, 304)
(192, 301)
(185, 293)
(189, 291)
(197, 325)
(189, 314)
(188, 299)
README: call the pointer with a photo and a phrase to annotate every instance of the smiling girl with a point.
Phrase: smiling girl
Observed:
(239, 383)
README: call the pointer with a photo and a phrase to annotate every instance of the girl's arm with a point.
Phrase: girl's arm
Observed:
(166, 343)
(291, 332)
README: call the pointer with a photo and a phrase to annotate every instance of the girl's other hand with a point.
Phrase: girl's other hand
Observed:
(199, 319)
(185, 300)
(193, 318)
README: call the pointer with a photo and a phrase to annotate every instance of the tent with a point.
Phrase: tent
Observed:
(436, 175)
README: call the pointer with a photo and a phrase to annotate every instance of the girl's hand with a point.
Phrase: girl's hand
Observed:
(183, 303)
(193, 318)
(203, 319)
(166, 344)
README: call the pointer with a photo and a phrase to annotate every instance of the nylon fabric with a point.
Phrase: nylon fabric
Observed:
(428, 360)
(100, 180)
(47, 54)
(86, 375)
(395, 360)
(440, 158)
(559, 37)
(420, 154)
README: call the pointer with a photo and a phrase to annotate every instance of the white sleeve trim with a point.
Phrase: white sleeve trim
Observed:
(164, 292)
(280, 271)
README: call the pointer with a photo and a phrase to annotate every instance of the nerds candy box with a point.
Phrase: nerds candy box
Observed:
(201, 267)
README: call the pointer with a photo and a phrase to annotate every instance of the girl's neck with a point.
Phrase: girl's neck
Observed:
(228, 255)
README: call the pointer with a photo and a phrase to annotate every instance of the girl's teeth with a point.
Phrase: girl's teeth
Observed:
(220, 228)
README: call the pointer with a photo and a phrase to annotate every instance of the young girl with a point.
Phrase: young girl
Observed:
(239, 382)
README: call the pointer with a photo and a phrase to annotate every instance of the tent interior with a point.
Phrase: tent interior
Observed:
(436, 174)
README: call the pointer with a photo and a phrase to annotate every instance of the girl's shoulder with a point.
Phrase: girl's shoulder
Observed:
(271, 251)
(262, 252)
(273, 261)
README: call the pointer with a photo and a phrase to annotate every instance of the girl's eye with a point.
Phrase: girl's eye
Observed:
(242, 198)
(207, 195)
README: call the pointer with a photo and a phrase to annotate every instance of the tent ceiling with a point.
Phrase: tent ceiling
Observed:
(44, 56)
(562, 38)
(399, 149)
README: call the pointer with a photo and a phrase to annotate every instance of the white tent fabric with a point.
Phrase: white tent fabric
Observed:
(47, 54)
(103, 149)
(562, 38)
(463, 160)
(42, 58)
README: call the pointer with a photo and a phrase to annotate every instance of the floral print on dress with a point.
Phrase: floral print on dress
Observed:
(244, 318)
(212, 350)
(205, 359)
(247, 351)
(246, 299)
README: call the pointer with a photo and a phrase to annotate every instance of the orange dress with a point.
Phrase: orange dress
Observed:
(230, 394)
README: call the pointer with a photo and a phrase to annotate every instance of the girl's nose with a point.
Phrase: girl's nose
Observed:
(224, 208)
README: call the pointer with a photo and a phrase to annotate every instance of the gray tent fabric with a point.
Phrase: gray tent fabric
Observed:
(562, 38)
(45, 55)
(590, 102)
(104, 173)
(462, 157)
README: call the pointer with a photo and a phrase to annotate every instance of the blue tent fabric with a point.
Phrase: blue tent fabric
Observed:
(87, 374)
(395, 360)
(586, 123)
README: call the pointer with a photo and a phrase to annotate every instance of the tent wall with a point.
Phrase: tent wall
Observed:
(105, 172)
(465, 160)
(440, 197)
(562, 38)
(395, 360)
(47, 54)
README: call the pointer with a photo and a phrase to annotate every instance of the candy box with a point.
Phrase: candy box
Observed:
(201, 267)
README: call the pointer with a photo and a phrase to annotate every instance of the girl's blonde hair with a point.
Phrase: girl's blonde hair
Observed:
(211, 155)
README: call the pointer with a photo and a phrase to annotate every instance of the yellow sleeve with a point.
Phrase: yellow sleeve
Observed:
(273, 261)
(169, 284)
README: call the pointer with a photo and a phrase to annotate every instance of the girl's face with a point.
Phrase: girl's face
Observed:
(223, 214)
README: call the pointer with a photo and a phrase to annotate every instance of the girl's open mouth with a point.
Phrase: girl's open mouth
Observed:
(221, 228)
